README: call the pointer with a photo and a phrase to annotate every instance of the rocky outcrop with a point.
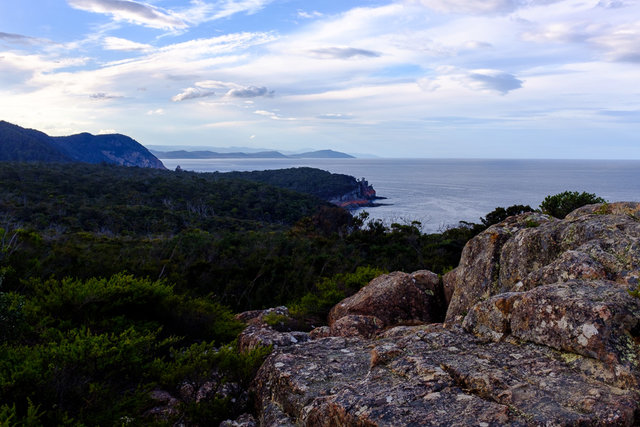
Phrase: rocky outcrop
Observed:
(270, 327)
(428, 375)
(541, 330)
(529, 250)
(394, 299)
(362, 195)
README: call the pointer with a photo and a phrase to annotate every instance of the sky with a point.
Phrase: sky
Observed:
(391, 78)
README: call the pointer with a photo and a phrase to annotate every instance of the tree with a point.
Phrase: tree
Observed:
(499, 214)
(560, 205)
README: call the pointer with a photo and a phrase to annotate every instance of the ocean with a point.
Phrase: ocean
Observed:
(441, 192)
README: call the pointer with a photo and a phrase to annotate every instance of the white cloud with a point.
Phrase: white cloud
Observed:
(309, 15)
(101, 96)
(272, 115)
(620, 43)
(231, 7)
(343, 52)
(156, 112)
(116, 43)
(479, 6)
(335, 116)
(249, 92)
(133, 12)
(192, 93)
(493, 80)
(20, 39)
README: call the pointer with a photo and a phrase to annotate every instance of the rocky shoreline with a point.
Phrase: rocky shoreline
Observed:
(541, 328)
(362, 196)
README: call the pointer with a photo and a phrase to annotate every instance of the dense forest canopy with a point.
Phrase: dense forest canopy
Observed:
(117, 281)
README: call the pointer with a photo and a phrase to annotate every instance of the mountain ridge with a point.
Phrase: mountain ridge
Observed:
(30, 145)
(268, 154)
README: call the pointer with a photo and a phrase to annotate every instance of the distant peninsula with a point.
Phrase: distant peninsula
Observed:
(29, 145)
(271, 154)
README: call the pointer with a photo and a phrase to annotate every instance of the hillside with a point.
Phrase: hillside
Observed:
(28, 145)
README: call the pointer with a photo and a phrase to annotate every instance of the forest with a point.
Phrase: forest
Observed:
(118, 281)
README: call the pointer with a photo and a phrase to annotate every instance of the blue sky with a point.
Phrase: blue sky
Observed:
(404, 78)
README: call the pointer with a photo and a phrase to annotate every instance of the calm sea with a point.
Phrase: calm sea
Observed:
(441, 192)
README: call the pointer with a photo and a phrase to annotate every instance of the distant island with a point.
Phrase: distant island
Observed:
(30, 145)
(271, 154)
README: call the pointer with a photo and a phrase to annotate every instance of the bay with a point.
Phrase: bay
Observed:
(442, 192)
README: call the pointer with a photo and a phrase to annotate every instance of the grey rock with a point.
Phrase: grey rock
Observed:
(529, 250)
(396, 298)
(429, 375)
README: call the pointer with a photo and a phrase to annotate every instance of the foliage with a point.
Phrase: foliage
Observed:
(12, 317)
(499, 214)
(119, 280)
(112, 200)
(560, 205)
(91, 350)
(323, 184)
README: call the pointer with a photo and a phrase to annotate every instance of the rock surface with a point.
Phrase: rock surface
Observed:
(260, 333)
(395, 298)
(532, 249)
(541, 330)
(428, 375)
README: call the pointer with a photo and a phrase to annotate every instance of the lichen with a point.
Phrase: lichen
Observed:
(570, 357)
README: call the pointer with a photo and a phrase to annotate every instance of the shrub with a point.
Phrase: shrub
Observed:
(560, 205)
(499, 214)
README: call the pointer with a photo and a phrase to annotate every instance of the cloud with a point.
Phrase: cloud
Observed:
(101, 96)
(612, 4)
(343, 52)
(484, 80)
(234, 90)
(132, 12)
(493, 80)
(479, 7)
(621, 43)
(272, 115)
(19, 39)
(249, 92)
(232, 7)
(335, 116)
(156, 112)
(116, 43)
(192, 93)
(309, 15)
(428, 85)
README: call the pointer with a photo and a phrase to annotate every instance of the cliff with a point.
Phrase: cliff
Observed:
(28, 145)
(361, 196)
(542, 328)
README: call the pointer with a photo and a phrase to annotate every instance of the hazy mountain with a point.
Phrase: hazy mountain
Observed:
(28, 145)
(183, 154)
(322, 154)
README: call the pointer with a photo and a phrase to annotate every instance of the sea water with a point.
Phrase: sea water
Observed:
(441, 192)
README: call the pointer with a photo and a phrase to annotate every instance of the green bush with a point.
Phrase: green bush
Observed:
(96, 377)
(499, 214)
(12, 318)
(560, 205)
(122, 301)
